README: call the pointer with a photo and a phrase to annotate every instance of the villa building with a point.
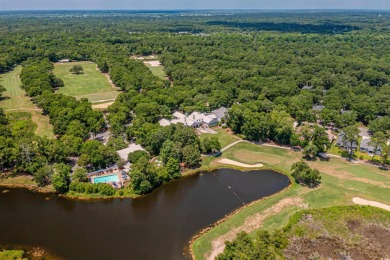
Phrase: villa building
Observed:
(196, 119)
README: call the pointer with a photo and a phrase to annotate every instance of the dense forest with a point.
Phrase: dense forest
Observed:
(270, 69)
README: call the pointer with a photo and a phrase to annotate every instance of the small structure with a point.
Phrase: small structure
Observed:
(124, 153)
(340, 142)
(318, 108)
(366, 147)
(220, 113)
(64, 61)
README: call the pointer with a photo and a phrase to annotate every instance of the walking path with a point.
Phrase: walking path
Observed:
(364, 202)
(22, 108)
(232, 144)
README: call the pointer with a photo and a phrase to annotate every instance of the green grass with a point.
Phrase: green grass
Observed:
(341, 181)
(224, 137)
(156, 70)
(16, 100)
(92, 84)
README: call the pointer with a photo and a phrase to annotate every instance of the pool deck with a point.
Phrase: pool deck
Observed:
(109, 172)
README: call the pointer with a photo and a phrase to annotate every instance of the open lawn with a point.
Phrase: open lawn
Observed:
(92, 84)
(154, 66)
(341, 182)
(16, 100)
(224, 137)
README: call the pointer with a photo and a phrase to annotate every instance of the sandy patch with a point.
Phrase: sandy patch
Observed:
(104, 105)
(231, 162)
(251, 223)
(364, 202)
(152, 63)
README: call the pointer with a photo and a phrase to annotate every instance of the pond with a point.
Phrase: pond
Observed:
(156, 226)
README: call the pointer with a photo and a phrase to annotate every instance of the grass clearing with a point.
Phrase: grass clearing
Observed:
(341, 181)
(15, 99)
(92, 84)
(224, 137)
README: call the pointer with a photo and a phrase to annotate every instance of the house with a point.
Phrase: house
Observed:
(195, 119)
(220, 113)
(366, 147)
(340, 142)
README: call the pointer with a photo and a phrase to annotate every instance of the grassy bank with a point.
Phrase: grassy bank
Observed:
(341, 181)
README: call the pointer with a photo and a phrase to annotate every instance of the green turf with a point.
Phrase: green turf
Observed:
(92, 84)
(339, 185)
(16, 100)
(157, 71)
(14, 97)
(224, 137)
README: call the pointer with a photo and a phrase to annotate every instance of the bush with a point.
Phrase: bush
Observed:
(89, 188)
(304, 175)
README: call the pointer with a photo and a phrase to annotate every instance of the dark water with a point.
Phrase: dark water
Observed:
(157, 226)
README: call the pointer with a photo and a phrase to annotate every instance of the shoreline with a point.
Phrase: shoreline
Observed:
(190, 250)
(36, 189)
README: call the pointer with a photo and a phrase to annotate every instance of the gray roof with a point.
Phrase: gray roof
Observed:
(220, 112)
(343, 143)
(366, 146)
(318, 108)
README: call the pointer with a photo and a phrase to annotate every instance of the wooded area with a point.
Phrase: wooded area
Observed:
(270, 69)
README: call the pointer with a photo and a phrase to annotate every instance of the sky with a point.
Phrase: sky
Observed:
(190, 4)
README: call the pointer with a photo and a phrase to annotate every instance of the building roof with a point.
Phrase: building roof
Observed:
(366, 146)
(220, 112)
(318, 108)
(307, 87)
(341, 142)
(164, 122)
(131, 148)
(177, 114)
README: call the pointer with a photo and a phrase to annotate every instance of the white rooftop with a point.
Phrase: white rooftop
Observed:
(132, 148)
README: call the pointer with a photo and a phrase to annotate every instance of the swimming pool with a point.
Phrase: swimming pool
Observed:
(106, 179)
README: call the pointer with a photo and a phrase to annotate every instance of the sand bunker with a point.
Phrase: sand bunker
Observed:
(231, 162)
(153, 63)
(364, 202)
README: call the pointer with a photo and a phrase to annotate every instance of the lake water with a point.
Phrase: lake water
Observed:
(156, 226)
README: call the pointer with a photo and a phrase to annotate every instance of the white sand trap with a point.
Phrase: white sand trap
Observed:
(364, 202)
(153, 63)
(231, 162)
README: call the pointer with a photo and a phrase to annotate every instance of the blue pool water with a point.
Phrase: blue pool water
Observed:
(106, 179)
